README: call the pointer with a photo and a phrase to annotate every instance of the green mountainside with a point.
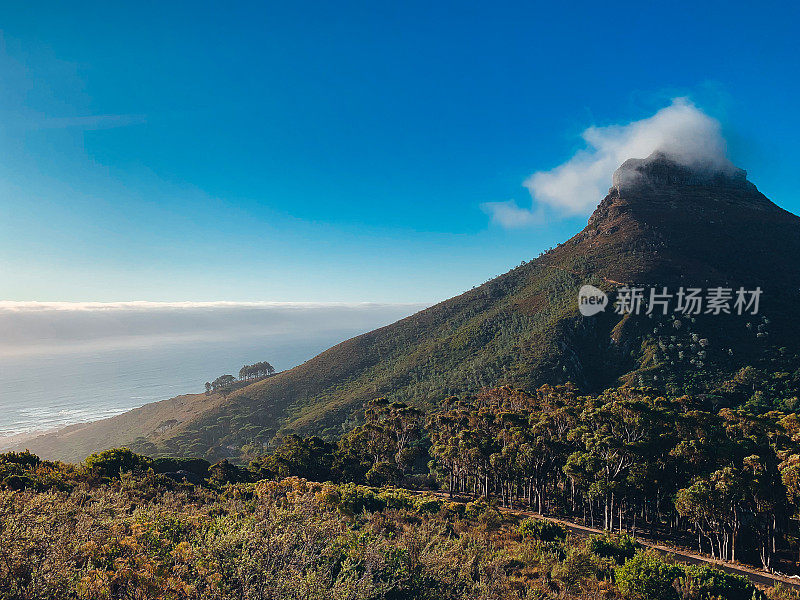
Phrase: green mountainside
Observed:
(660, 225)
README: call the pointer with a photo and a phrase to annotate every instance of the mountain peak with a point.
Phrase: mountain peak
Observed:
(704, 223)
(660, 169)
(664, 224)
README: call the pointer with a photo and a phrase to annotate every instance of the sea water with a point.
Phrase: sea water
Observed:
(65, 362)
(42, 392)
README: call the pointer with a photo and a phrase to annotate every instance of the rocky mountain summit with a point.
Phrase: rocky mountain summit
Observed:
(695, 225)
(659, 169)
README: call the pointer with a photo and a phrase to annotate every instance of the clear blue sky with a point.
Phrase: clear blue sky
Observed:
(341, 151)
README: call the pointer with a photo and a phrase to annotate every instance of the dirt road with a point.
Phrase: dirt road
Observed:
(757, 576)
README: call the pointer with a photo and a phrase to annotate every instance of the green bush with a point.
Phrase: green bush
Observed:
(19, 482)
(490, 519)
(383, 473)
(576, 566)
(224, 472)
(397, 498)
(547, 531)
(356, 499)
(475, 509)
(111, 463)
(619, 547)
(402, 499)
(23, 459)
(647, 577)
(428, 505)
(713, 584)
(456, 509)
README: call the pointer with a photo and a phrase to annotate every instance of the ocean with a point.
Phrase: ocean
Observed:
(66, 372)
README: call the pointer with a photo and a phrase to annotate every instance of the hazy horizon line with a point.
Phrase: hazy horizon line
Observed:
(67, 305)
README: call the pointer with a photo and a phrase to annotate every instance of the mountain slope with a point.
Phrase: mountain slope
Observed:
(661, 224)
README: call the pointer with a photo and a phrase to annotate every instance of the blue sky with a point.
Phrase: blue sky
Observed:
(343, 151)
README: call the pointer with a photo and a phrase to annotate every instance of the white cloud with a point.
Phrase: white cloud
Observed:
(33, 305)
(680, 130)
(28, 328)
(509, 214)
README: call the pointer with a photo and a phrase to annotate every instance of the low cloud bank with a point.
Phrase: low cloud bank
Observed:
(681, 130)
(28, 328)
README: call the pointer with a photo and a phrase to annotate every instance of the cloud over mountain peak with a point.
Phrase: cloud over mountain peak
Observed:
(681, 131)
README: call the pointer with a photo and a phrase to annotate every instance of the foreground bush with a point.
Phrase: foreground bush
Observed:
(540, 529)
(145, 536)
(705, 583)
(647, 577)
(135, 534)
(618, 547)
(112, 463)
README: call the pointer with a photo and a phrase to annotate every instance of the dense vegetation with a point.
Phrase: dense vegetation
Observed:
(114, 528)
(683, 469)
(688, 470)
(630, 460)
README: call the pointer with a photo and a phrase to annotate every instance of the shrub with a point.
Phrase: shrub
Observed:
(712, 584)
(23, 459)
(224, 472)
(383, 473)
(647, 577)
(490, 519)
(475, 509)
(329, 496)
(781, 591)
(577, 566)
(456, 509)
(19, 482)
(397, 498)
(547, 531)
(356, 499)
(111, 463)
(619, 547)
(428, 505)
(286, 491)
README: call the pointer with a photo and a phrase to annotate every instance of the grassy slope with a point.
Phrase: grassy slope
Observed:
(76, 442)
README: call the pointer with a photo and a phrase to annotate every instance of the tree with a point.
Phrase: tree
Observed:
(223, 472)
(223, 382)
(713, 505)
(637, 459)
(387, 441)
(310, 458)
(257, 370)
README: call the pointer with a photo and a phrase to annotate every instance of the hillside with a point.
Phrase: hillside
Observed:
(660, 224)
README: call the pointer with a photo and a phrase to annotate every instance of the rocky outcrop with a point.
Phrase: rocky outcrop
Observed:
(658, 169)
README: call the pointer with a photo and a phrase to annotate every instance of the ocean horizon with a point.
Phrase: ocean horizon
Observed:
(65, 365)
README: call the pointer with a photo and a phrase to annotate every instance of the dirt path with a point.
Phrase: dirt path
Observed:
(757, 576)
